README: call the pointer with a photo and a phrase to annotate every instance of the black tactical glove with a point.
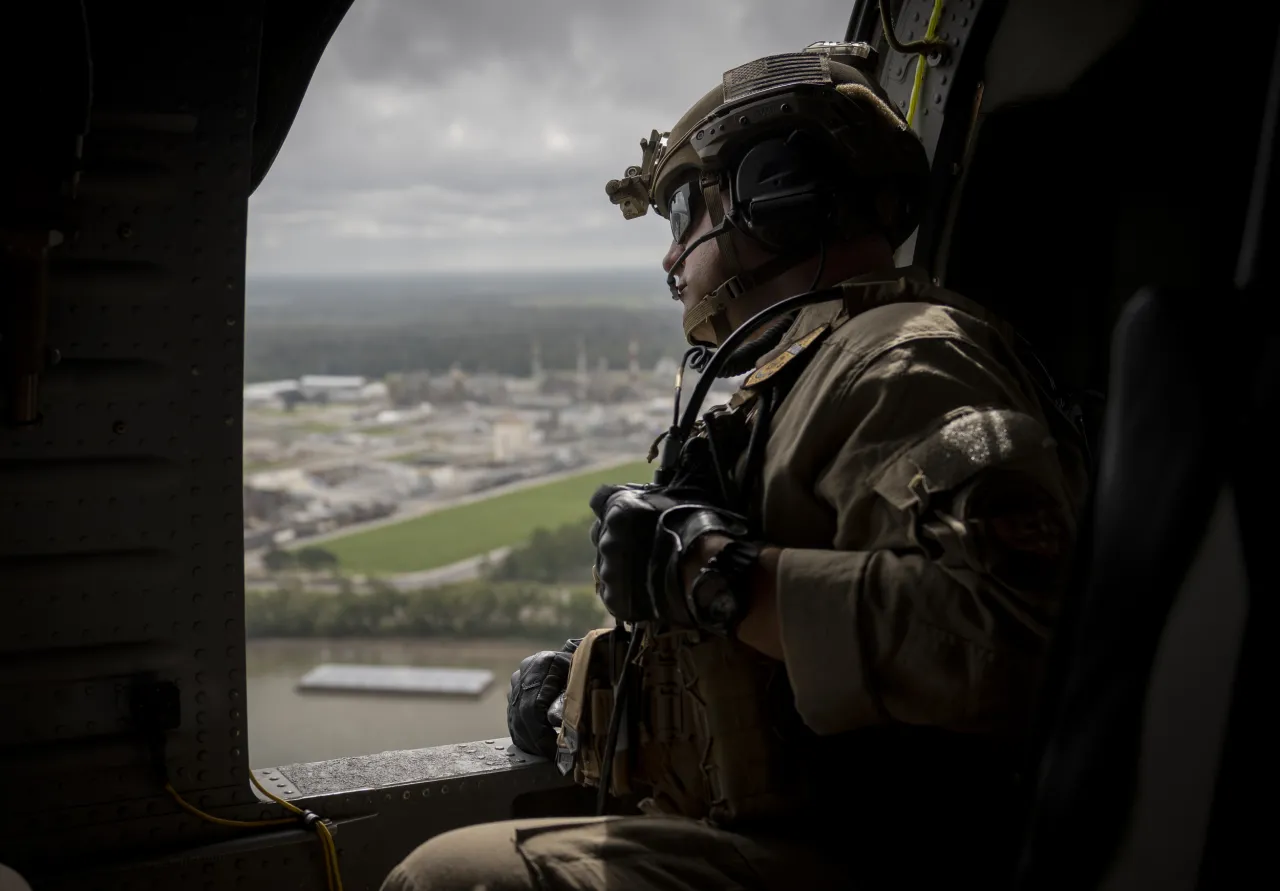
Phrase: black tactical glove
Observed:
(623, 532)
(535, 702)
(640, 534)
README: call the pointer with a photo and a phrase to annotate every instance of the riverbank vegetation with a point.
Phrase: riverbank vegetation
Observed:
(480, 608)
(543, 587)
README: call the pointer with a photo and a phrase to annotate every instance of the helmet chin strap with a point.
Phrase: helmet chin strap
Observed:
(715, 305)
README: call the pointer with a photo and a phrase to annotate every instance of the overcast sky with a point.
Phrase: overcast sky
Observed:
(445, 135)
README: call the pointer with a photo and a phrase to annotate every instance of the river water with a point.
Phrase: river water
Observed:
(287, 727)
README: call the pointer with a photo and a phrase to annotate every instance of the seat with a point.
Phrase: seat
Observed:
(1150, 755)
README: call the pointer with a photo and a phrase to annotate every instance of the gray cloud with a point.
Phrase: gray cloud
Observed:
(444, 135)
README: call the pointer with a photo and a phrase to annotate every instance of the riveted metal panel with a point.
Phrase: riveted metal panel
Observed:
(942, 120)
(120, 558)
(899, 71)
(405, 798)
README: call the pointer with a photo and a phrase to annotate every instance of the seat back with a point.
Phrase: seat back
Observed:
(1150, 770)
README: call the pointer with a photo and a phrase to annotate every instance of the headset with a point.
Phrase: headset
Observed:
(787, 193)
(784, 190)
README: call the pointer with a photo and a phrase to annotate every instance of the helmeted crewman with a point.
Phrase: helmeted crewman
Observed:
(841, 603)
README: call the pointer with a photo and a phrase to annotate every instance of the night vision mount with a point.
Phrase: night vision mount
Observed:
(631, 193)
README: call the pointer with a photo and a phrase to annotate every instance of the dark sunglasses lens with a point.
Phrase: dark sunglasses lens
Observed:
(678, 212)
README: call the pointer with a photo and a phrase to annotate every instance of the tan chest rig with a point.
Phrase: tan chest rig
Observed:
(708, 732)
(701, 736)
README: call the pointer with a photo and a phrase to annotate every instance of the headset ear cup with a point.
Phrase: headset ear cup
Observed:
(783, 197)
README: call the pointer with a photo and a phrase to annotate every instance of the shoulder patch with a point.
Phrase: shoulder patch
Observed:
(968, 441)
(778, 362)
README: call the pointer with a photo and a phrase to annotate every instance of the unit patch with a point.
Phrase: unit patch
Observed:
(778, 362)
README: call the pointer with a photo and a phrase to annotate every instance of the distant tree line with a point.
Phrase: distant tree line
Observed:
(309, 559)
(551, 556)
(541, 587)
(478, 609)
(561, 555)
(286, 342)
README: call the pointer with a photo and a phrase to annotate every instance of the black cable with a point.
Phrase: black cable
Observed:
(723, 478)
(735, 340)
(768, 403)
(615, 720)
(822, 264)
(745, 357)
(916, 47)
(756, 443)
(695, 358)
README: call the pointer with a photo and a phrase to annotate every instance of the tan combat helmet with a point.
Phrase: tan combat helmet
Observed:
(875, 164)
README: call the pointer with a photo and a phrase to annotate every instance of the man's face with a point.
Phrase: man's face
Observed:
(704, 269)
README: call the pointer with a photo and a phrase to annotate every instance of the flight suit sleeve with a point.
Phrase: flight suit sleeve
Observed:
(954, 487)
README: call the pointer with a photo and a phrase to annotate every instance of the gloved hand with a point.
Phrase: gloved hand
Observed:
(535, 702)
(641, 533)
(623, 532)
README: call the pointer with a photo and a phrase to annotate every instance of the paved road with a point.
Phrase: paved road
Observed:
(420, 507)
(462, 571)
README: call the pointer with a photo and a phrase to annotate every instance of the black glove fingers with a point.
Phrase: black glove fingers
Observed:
(554, 681)
(536, 670)
(558, 670)
(518, 725)
(600, 497)
(536, 687)
(555, 714)
(529, 730)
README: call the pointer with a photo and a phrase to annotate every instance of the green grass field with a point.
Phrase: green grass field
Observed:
(456, 533)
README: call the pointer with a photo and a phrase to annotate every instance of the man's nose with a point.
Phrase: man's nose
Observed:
(673, 254)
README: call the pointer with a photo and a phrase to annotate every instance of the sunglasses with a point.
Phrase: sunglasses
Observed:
(680, 210)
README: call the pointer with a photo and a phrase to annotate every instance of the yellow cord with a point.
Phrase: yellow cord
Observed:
(920, 62)
(333, 878)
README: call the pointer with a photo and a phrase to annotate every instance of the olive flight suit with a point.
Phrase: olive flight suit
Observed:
(926, 503)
